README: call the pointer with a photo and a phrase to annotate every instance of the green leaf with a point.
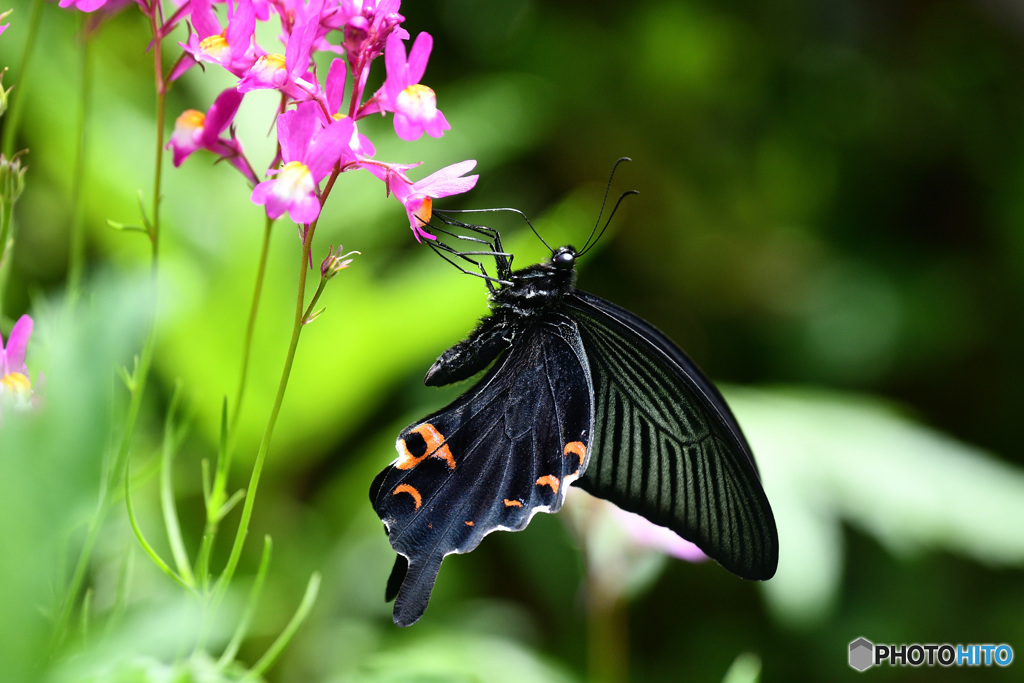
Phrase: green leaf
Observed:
(828, 458)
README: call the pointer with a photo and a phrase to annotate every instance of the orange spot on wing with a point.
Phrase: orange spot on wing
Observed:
(514, 503)
(549, 480)
(577, 448)
(469, 523)
(436, 448)
(405, 488)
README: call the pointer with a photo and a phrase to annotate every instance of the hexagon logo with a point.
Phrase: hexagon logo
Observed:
(862, 654)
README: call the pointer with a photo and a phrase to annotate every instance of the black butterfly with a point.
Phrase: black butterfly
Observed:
(582, 391)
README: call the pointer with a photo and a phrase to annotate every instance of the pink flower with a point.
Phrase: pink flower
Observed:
(195, 130)
(366, 25)
(417, 196)
(92, 5)
(333, 96)
(233, 47)
(649, 535)
(286, 72)
(14, 379)
(414, 104)
(309, 153)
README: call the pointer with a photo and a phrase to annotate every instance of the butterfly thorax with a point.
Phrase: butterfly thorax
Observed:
(532, 295)
(534, 290)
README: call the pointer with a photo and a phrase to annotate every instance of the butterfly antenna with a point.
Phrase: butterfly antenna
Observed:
(604, 202)
(590, 245)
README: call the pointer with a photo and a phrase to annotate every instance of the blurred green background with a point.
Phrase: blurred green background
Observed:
(830, 222)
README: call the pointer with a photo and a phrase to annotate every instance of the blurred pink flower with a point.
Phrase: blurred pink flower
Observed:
(624, 551)
(13, 371)
(649, 535)
(93, 5)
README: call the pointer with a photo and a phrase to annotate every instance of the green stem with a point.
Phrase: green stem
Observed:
(115, 467)
(76, 248)
(607, 633)
(170, 513)
(231, 651)
(18, 104)
(247, 345)
(107, 485)
(217, 494)
(278, 646)
(6, 251)
(268, 432)
(149, 550)
(161, 102)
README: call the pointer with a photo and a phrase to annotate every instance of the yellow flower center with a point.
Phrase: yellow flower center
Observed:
(269, 66)
(417, 98)
(272, 61)
(16, 383)
(190, 119)
(214, 46)
(294, 180)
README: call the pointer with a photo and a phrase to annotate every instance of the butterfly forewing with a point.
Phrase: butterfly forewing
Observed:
(507, 448)
(666, 445)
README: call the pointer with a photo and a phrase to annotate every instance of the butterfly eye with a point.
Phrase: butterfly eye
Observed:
(564, 258)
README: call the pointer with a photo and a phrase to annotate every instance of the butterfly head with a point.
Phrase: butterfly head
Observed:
(564, 258)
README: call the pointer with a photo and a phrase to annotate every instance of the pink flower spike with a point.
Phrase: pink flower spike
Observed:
(295, 130)
(334, 86)
(285, 72)
(300, 42)
(331, 146)
(447, 181)
(194, 130)
(308, 155)
(417, 198)
(233, 47)
(188, 129)
(222, 113)
(268, 71)
(414, 104)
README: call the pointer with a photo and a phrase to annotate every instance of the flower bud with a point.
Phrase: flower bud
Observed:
(3, 93)
(335, 262)
(12, 178)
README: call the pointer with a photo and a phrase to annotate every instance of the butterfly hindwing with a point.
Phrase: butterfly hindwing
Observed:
(666, 445)
(504, 450)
